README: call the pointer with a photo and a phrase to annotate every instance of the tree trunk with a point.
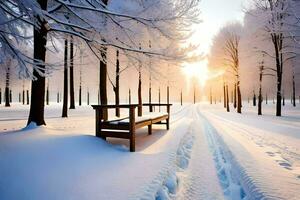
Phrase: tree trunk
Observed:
(72, 96)
(260, 93)
(227, 99)
(47, 94)
(7, 93)
(27, 97)
(294, 91)
(266, 98)
(57, 97)
(23, 96)
(150, 94)
(168, 94)
(80, 93)
(117, 88)
(159, 99)
(181, 98)
(224, 92)
(36, 113)
(10, 96)
(65, 99)
(103, 82)
(234, 99)
(140, 106)
(239, 99)
(0, 96)
(88, 98)
(254, 99)
(129, 96)
(279, 66)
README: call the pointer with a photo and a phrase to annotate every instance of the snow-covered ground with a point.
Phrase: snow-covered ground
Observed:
(207, 154)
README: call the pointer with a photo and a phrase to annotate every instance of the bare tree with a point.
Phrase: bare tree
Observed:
(231, 50)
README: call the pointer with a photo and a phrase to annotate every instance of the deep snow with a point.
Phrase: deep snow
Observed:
(207, 154)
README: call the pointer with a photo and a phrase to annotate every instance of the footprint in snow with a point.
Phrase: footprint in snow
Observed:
(270, 154)
(286, 165)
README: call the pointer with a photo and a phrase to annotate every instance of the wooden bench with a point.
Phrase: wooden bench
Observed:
(126, 127)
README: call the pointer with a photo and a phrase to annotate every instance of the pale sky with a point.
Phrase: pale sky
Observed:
(216, 13)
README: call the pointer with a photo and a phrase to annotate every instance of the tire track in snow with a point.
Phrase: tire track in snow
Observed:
(285, 156)
(229, 173)
(259, 177)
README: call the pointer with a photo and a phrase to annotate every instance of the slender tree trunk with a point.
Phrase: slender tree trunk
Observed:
(7, 91)
(103, 82)
(129, 96)
(235, 99)
(150, 94)
(181, 98)
(254, 99)
(260, 92)
(65, 98)
(140, 106)
(10, 96)
(168, 94)
(159, 99)
(294, 91)
(47, 94)
(227, 99)
(27, 97)
(279, 66)
(88, 98)
(57, 97)
(19, 97)
(239, 99)
(72, 96)
(103, 76)
(80, 93)
(117, 88)
(224, 94)
(283, 99)
(266, 98)
(23, 96)
(0, 96)
(36, 113)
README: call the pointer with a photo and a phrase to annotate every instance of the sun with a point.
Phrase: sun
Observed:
(197, 71)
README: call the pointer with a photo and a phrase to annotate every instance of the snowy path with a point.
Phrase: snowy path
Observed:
(265, 164)
(200, 181)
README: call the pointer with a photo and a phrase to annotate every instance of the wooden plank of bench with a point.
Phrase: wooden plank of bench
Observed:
(115, 126)
(115, 134)
(143, 123)
(159, 119)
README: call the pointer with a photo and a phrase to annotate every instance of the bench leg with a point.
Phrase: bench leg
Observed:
(132, 140)
(167, 123)
(150, 129)
(132, 144)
